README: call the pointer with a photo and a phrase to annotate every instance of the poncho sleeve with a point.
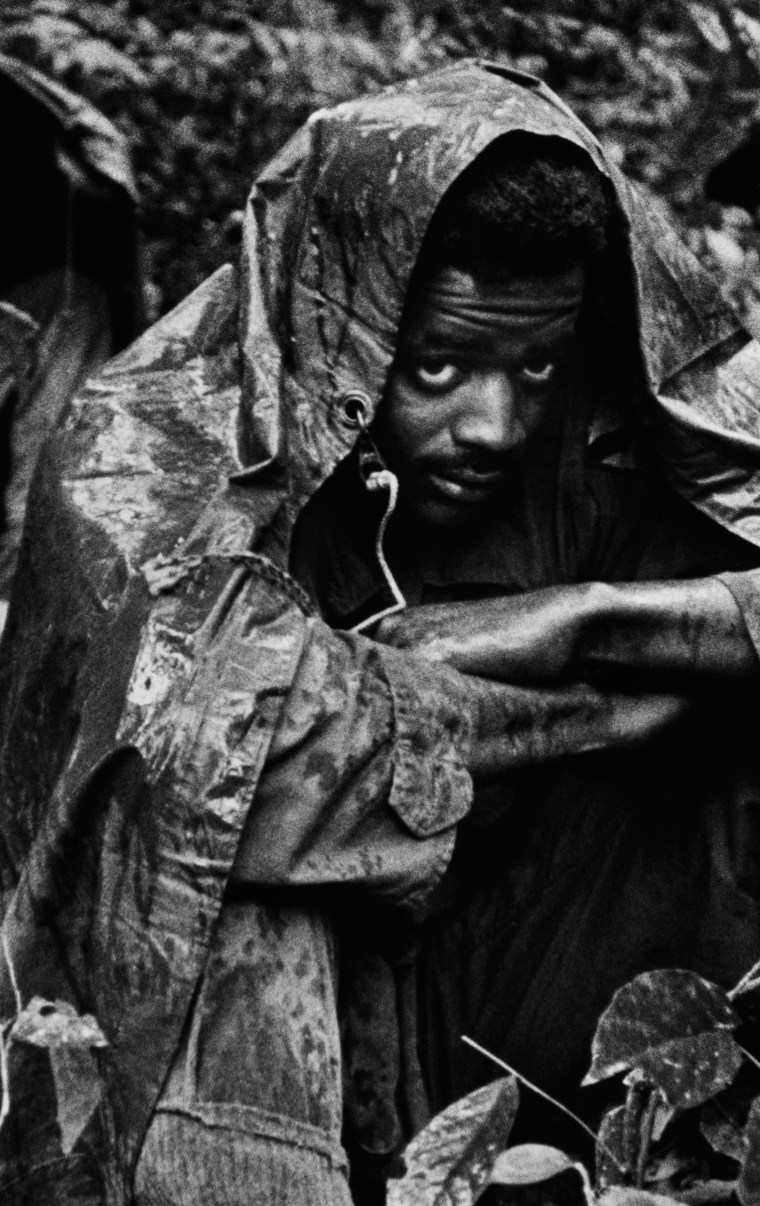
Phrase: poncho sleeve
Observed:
(365, 777)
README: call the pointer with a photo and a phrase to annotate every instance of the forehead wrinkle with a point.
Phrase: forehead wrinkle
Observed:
(476, 328)
(454, 305)
(554, 304)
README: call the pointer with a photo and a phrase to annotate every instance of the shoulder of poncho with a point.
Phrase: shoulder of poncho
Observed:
(148, 443)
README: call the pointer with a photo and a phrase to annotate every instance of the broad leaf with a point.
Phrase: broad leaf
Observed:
(648, 1015)
(748, 1185)
(529, 1164)
(690, 1071)
(724, 1134)
(625, 1195)
(77, 1090)
(707, 1193)
(450, 1161)
(54, 1024)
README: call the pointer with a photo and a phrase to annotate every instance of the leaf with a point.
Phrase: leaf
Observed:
(663, 1116)
(529, 1164)
(77, 1090)
(95, 56)
(651, 1012)
(666, 1168)
(709, 25)
(748, 1185)
(749, 32)
(56, 1024)
(450, 1161)
(624, 1195)
(611, 1163)
(705, 1192)
(624, 1134)
(725, 250)
(722, 1132)
(690, 1071)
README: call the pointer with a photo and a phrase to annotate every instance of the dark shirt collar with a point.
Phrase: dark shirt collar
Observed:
(334, 552)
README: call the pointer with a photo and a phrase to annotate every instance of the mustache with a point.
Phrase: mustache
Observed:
(472, 461)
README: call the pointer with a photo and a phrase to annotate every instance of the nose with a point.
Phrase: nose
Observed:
(489, 418)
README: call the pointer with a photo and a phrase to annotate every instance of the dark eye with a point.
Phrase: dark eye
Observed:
(538, 372)
(435, 376)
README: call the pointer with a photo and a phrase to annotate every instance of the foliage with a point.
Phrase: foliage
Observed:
(205, 91)
(688, 1129)
(672, 1030)
(70, 1040)
(451, 1159)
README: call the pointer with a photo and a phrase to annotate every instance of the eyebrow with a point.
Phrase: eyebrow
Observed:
(434, 342)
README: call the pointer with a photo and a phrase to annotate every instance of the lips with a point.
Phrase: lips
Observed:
(464, 485)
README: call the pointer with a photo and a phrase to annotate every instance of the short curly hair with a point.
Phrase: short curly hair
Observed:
(527, 204)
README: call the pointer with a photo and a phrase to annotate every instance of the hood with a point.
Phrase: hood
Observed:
(99, 144)
(334, 227)
(74, 199)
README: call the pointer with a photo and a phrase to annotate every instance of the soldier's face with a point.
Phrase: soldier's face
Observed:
(475, 383)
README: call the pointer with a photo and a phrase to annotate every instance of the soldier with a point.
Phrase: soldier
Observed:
(488, 410)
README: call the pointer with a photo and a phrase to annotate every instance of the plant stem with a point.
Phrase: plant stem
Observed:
(588, 1191)
(748, 1055)
(546, 1096)
(749, 980)
(646, 1129)
(5, 1100)
(12, 974)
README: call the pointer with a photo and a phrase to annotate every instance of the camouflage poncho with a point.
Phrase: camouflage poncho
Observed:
(164, 683)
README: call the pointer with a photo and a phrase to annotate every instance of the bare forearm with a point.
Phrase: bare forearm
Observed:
(687, 631)
(645, 633)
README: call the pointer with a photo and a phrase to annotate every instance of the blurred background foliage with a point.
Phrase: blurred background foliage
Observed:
(206, 90)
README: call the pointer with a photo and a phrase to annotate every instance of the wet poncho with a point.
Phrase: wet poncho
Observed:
(186, 746)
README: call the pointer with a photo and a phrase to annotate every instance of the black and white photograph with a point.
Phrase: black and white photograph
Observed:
(380, 603)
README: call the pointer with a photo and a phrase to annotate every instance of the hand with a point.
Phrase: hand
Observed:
(522, 726)
(530, 638)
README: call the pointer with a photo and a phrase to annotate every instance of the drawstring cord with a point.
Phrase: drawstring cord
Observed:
(377, 476)
(383, 479)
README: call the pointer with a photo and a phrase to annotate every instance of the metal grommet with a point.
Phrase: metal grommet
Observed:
(353, 408)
